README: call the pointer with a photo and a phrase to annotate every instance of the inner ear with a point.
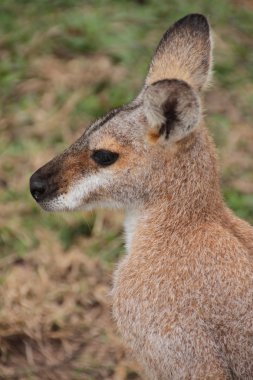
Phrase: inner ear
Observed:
(170, 112)
(172, 109)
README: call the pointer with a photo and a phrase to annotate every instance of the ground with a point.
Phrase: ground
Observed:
(64, 63)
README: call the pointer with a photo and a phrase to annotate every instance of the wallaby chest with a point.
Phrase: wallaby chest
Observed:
(151, 299)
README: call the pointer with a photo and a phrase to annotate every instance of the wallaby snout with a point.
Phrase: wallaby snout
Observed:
(54, 179)
(43, 183)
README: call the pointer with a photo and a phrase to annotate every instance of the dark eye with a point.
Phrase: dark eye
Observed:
(104, 157)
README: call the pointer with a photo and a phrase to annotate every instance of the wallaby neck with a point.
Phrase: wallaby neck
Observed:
(191, 198)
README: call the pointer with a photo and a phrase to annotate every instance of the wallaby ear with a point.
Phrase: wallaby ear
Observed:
(184, 53)
(172, 109)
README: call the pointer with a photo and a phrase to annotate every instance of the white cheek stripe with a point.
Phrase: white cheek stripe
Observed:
(83, 188)
(78, 192)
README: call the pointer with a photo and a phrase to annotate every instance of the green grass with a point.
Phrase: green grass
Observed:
(241, 203)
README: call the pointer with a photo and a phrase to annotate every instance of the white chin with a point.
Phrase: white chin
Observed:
(59, 204)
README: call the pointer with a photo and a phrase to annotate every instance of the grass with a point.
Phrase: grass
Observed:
(63, 64)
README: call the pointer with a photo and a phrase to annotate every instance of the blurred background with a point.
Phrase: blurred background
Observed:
(63, 63)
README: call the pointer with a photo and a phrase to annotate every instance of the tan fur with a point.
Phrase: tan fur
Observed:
(178, 55)
(187, 282)
(183, 295)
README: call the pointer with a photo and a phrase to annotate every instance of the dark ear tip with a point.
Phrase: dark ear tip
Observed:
(196, 21)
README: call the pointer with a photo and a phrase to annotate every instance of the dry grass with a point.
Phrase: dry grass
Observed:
(55, 321)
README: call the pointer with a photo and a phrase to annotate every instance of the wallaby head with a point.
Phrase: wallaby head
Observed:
(125, 158)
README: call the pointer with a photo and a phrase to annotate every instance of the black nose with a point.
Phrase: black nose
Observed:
(37, 187)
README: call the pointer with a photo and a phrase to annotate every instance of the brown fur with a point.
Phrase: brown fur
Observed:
(183, 295)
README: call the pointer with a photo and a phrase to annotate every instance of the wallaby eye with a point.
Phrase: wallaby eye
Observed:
(104, 157)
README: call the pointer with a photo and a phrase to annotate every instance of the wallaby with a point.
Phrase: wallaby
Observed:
(183, 294)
